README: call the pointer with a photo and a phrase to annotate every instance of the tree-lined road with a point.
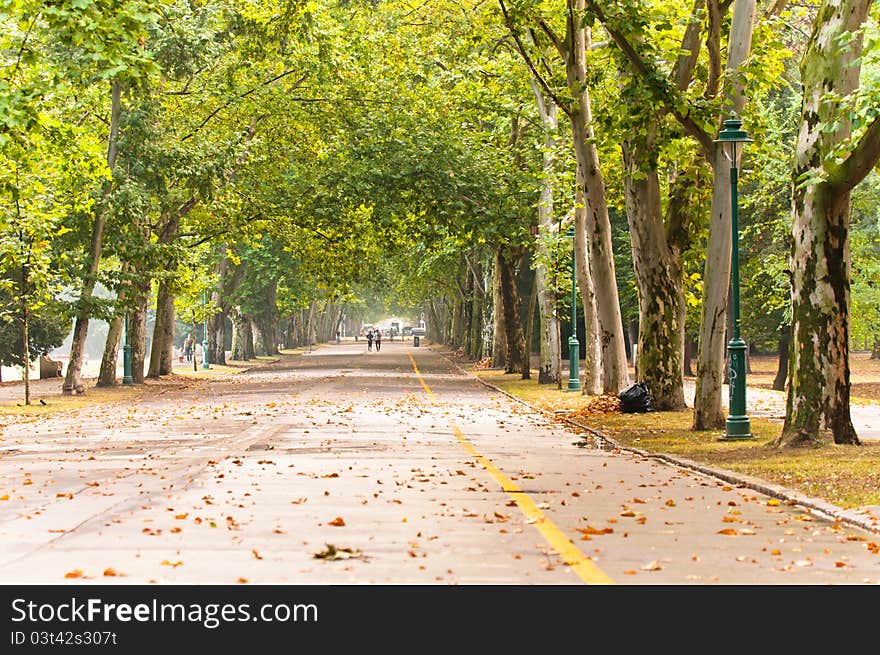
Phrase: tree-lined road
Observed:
(420, 471)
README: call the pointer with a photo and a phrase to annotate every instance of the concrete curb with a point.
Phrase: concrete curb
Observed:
(816, 506)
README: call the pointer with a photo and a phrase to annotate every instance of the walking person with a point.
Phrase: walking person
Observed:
(369, 341)
(378, 339)
(188, 348)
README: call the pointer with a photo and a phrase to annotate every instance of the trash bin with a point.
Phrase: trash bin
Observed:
(417, 334)
(416, 342)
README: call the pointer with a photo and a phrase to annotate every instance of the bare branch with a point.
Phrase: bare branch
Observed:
(244, 95)
(525, 55)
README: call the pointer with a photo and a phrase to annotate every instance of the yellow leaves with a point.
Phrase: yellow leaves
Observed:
(110, 572)
(173, 565)
(728, 531)
(337, 522)
(670, 503)
(773, 502)
(76, 573)
(4, 497)
(180, 517)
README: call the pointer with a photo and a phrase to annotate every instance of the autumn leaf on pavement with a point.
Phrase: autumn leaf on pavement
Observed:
(110, 572)
(729, 531)
(591, 530)
(173, 565)
(76, 573)
(338, 522)
(651, 566)
(334, 553)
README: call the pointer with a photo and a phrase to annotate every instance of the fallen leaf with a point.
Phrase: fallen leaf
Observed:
(651, 566)
(181, 516)
(173, 565)
(110, 573)
(76, 573)
(727, 531)
(242, 580)
(334, 553)
(591, 530)
(256, 554)
(773, 502)
(670, 503)
(338, 522)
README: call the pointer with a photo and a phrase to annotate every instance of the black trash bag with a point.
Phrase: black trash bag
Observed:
(635, 399)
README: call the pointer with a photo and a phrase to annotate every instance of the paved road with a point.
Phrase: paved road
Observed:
(423, 473)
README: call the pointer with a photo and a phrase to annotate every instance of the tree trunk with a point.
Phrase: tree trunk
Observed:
(475, 345)
(163, 333)
(73, 378)
(138, 331)
(819, 383)
(782, 368)
(107, 375)
(240, 335)
(506, 264)
(658, 277)
(25, 337)
(708, 413)
(687, 369)
(217, 322)
(875, 350)
(530, 322)
(549, 350)
(259, 338)
(597, 224)
(499, 335)
(592, 337)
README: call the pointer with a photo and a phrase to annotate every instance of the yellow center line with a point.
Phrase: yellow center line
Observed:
(585, 568)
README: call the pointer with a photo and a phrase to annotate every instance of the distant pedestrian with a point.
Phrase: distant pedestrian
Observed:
(188, 348)
(337, 336)
(369, 341)
(378, 339)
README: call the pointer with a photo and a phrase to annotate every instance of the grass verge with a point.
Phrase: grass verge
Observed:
(848, 476)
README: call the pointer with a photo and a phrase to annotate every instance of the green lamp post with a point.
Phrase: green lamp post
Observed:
(127, 378)
(738, 425)
(574, 346)
(205, 359)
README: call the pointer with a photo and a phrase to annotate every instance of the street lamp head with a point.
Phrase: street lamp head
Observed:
(732, 133)
(570, 232)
